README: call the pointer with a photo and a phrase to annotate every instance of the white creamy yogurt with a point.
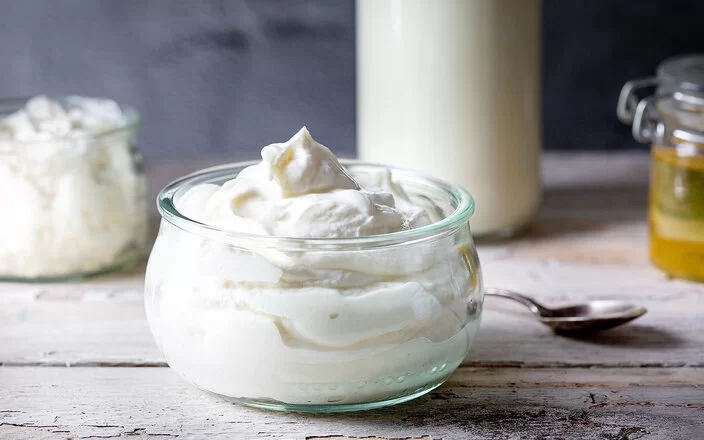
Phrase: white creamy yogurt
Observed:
(299, 189)
(315, 326)
(72, 201)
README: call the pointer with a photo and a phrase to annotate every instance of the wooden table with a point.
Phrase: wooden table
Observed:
(79, 362)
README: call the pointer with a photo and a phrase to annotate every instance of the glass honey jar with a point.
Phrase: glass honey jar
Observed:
(672, 121)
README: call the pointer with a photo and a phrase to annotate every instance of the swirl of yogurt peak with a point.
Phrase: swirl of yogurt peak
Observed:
(300, 189)
(302, 165)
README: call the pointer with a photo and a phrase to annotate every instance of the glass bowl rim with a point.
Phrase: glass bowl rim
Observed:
(457, 218)
(12, 104)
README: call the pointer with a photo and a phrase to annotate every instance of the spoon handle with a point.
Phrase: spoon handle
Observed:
(532, 304)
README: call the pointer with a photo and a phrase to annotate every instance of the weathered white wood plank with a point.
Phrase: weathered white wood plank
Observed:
(104, 322)
(589, 242)
(100, 320)
(508, 403)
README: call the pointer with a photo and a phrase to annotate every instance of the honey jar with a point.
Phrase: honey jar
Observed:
(671, 119)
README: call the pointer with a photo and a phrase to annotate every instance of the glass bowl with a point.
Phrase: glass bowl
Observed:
(72, 207)
(320, 325)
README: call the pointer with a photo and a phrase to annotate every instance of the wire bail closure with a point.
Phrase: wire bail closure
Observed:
(647, 124)
(628, 99)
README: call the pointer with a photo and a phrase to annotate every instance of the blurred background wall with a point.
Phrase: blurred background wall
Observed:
(225, 77)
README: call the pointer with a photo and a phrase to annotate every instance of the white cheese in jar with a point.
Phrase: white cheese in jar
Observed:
(73, 199)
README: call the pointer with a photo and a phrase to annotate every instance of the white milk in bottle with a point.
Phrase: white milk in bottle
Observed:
(452, 87)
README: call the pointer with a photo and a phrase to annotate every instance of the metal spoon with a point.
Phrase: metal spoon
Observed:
(585, 317)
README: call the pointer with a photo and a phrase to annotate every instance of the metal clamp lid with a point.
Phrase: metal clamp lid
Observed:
(647, 126)
(628, 99)
(680, 79)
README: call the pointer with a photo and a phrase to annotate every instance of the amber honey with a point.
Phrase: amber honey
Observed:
(677, 210)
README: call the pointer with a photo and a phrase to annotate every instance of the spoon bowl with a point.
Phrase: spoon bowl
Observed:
(586, 317)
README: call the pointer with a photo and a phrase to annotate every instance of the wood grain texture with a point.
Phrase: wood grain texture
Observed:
(102, 322)
(589, 241)
(58, 403)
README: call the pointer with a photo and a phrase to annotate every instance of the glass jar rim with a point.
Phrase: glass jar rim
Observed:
(131, 121)
(463, 210)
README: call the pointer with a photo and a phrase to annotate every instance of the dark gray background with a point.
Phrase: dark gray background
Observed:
(219, 77)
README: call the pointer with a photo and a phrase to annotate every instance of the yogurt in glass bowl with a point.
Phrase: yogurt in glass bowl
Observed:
(72, 188)
(306, 283)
